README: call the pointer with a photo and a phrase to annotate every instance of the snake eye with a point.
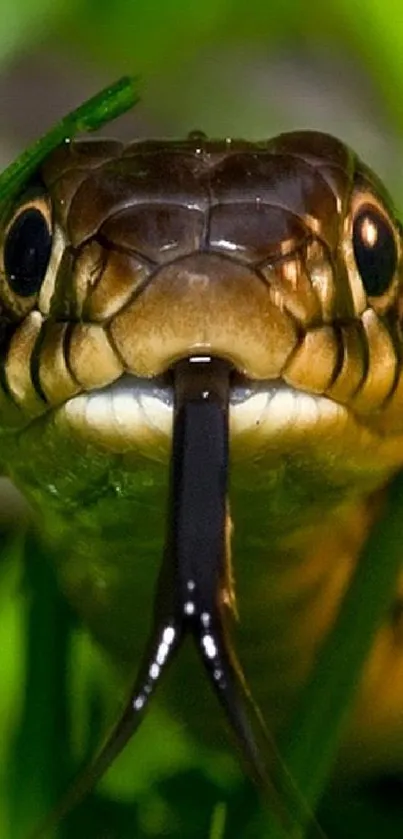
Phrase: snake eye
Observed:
(27, 251)
(375, 250)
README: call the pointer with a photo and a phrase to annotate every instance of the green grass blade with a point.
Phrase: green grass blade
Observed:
(217, 828)
(310, 743)
(41, 763)
(107, 105)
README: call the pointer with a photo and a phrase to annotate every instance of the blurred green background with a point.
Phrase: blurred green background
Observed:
(229, 68)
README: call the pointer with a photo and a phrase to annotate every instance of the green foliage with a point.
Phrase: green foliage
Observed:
(26, 22)
(151, 37)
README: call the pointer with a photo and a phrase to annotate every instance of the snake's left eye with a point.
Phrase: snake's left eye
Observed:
(375, 250)
(27, 250)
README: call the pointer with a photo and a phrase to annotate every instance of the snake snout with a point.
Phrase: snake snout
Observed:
(204, 304)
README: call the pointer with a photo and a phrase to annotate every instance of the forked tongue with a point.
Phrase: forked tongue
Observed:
(199, 595)
(194, 594)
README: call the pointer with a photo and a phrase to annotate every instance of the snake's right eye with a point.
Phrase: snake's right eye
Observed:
(375, 250)
(27, 249)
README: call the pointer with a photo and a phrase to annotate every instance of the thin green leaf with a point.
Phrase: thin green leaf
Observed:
(102, 108)
(310, 742)
(217, 828)
(40, 763)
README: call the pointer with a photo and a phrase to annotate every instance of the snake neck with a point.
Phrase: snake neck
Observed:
(289, 592)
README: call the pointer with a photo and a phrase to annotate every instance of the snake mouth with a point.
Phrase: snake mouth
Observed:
(138, 412)
(241, 387)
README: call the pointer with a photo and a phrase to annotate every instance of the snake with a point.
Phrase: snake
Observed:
(279, 260)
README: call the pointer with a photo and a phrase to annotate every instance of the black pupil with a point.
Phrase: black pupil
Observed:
(374, 250)
(27, 252)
